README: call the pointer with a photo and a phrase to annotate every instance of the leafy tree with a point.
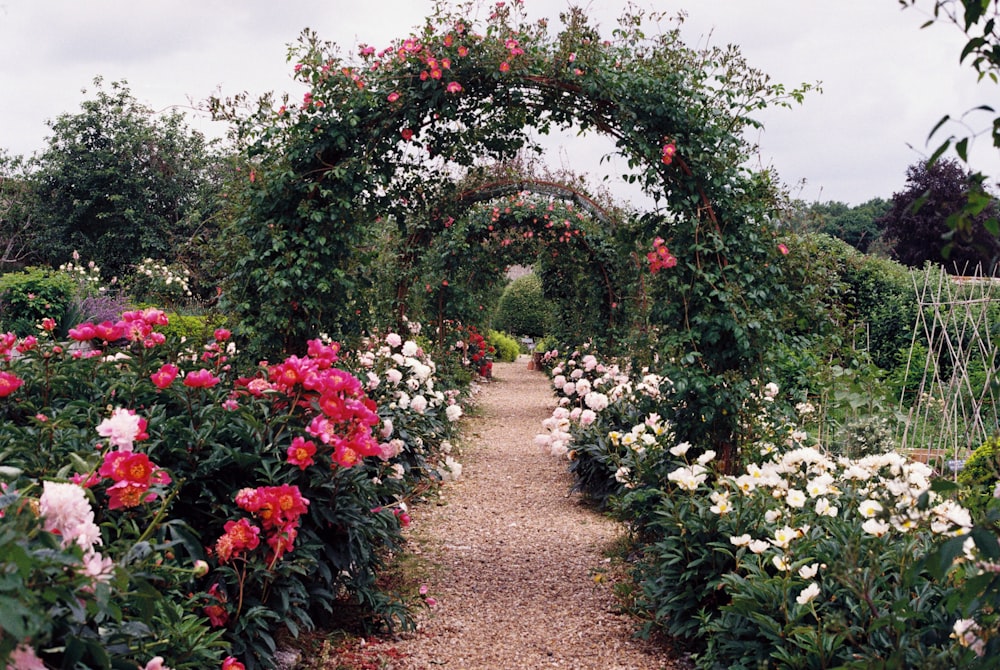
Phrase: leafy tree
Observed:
(118, 183)
(978, 20)
(858, 226)
(917, 228)
(16, 230)
(523, 309)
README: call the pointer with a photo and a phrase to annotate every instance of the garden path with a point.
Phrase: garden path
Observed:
(514, 555)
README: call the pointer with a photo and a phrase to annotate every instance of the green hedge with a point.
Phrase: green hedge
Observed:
(507, 348)
(522, 309)
(29, 296)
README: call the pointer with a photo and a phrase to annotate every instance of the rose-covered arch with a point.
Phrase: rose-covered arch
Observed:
(526, 222)
(386, 134)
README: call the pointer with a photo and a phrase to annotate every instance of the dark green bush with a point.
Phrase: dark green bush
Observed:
(523, 309)
(979, 476)
(884, 302)
(28, 297)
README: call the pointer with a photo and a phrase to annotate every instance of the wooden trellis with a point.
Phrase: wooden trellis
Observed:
(954, 409)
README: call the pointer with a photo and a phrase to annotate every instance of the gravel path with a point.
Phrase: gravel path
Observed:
(515, 555)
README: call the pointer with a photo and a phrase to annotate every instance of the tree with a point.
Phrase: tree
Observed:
(118, 184)
(16, 230)
(978, 20)
(523, 309)
(916, 225)
(858, 226)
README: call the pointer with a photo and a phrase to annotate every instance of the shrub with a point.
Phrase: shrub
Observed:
(884, 300)
(507, 348)
(36, 293)
(978, 478)
(159, 282)
(982, 468)
(802, 561)
(265, 477)
(190, 327)
(522, 308)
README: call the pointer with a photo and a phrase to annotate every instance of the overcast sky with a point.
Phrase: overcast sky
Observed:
(885, 82)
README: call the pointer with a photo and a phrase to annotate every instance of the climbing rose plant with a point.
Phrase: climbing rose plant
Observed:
(380, 135)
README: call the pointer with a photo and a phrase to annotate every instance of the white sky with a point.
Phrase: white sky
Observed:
(885, 82)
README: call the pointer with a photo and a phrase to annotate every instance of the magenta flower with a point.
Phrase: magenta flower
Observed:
(301, 452)
(9, 383)
(200, 379)
(165, 376)
(83, 332)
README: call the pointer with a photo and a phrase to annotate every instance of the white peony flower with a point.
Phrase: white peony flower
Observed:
(808, 594)
(680, 449)
(875, 527)
(869, 508)
(795, 498)
(809, 571)
(121, 428)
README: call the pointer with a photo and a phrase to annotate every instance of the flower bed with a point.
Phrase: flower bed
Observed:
(158, 504)
(798, 560)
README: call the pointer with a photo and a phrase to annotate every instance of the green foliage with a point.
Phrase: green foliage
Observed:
(885, 307)
(29, 296)
(867, 435)
(921, 224)
(344, 156)
(547, 343)
(859, 226)
(977, 20)
(215, 437)
(507, 348)
(119, 184)
(978, 477)
(17, 234)
(982, 468)
(191, 328)
(523, 309)
(100, 621)
(743, 605)
(160, 283)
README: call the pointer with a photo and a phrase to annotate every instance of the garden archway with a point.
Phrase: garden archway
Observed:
(383, 136)
(532, 222)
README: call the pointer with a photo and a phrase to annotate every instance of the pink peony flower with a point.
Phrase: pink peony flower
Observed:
(23, 658)
(301, 452)
(165, 376)
(9, 383)
(200, 379)
(123, 428)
